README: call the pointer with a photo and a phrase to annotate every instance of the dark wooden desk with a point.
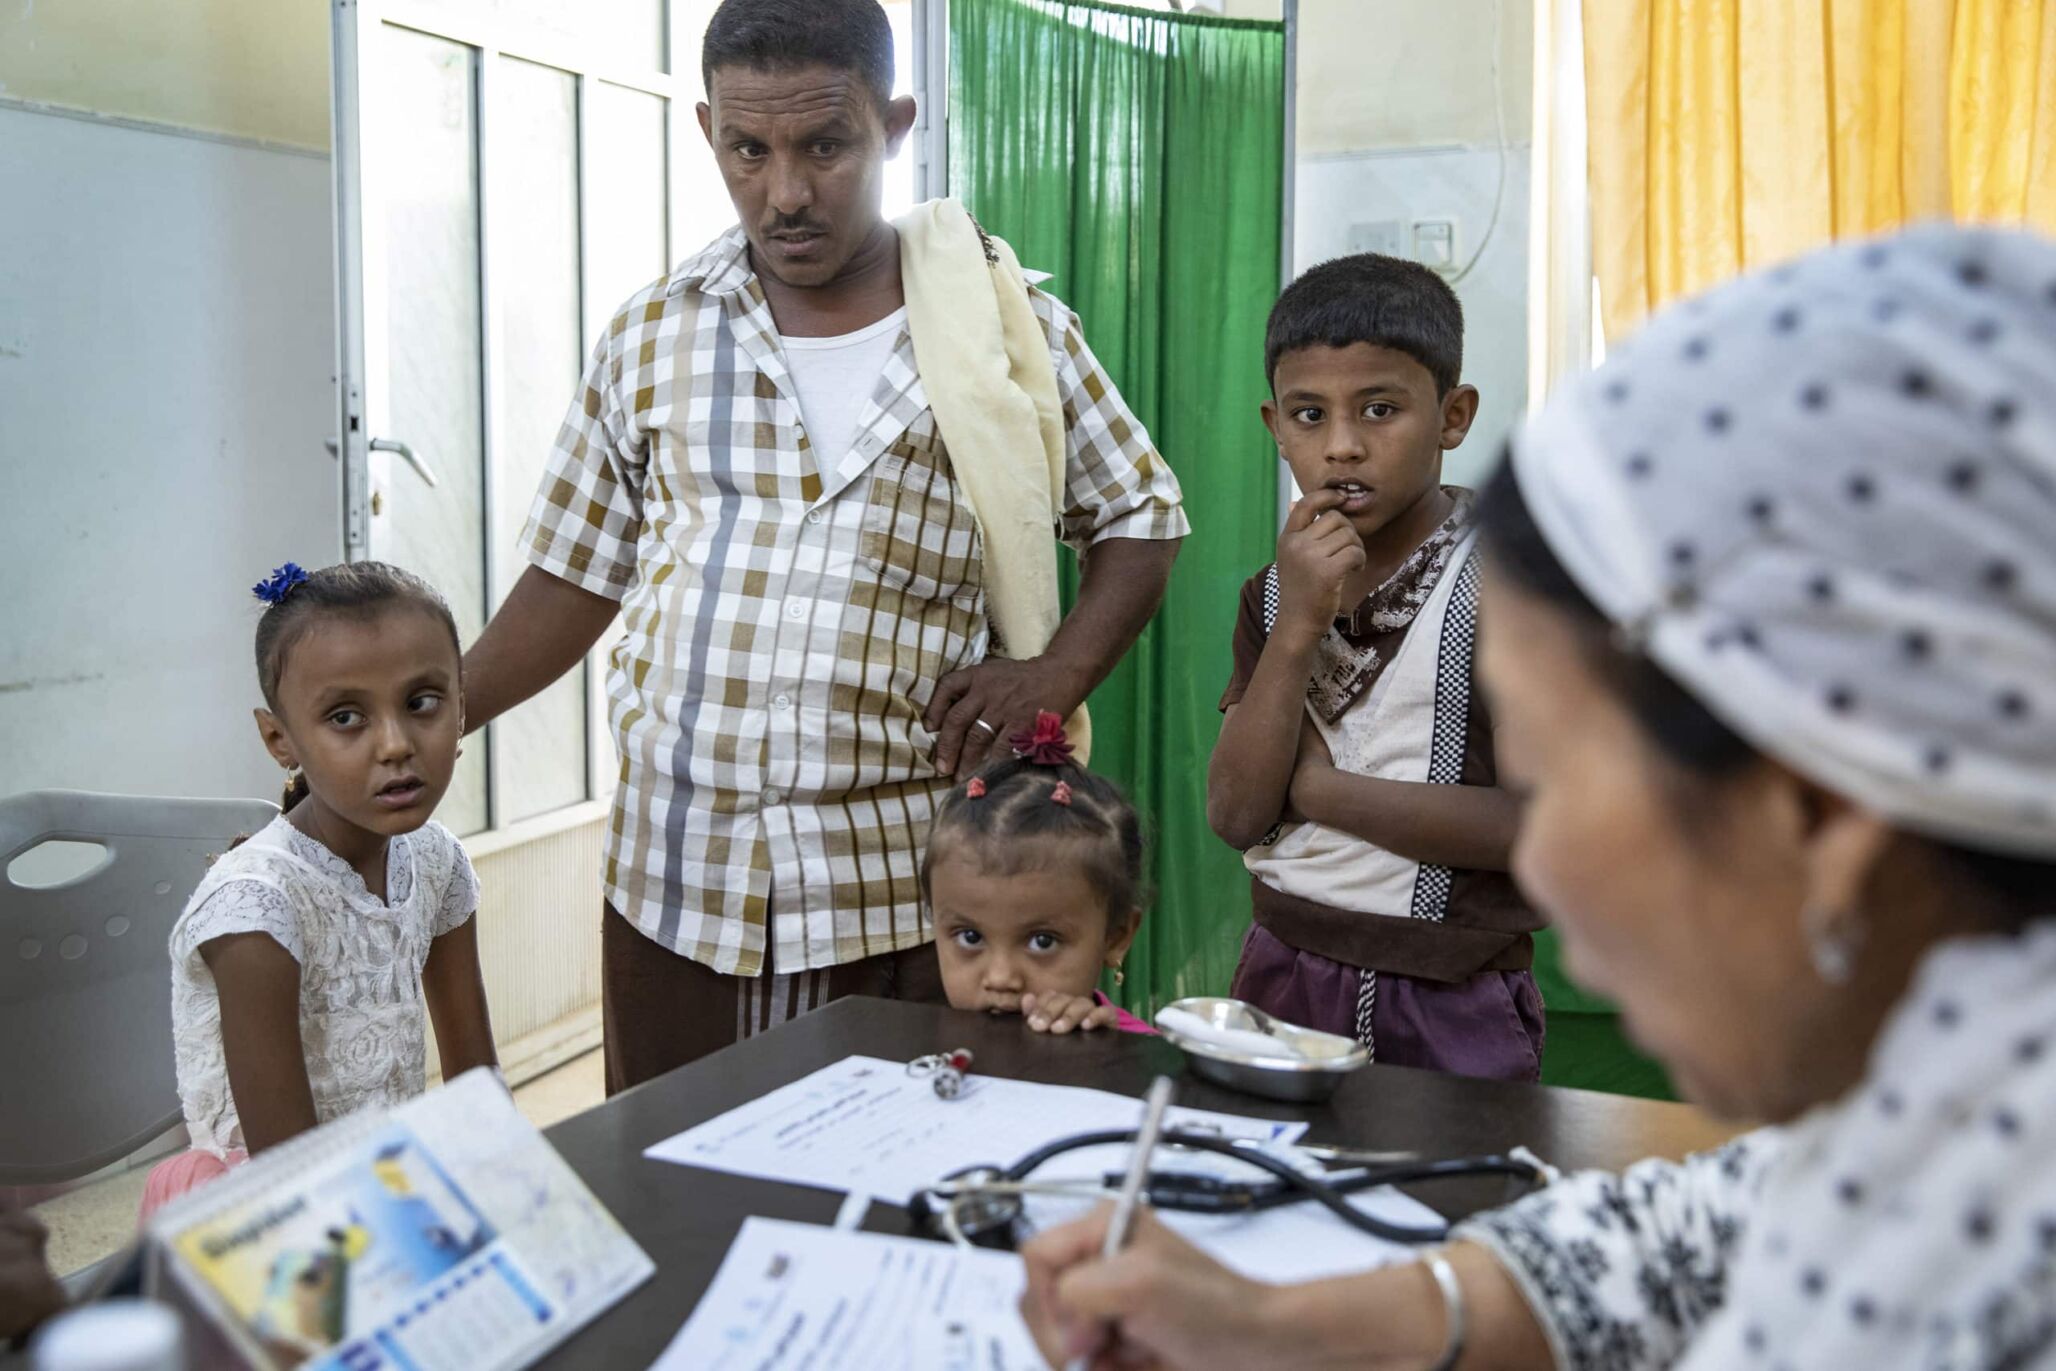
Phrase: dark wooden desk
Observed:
(685, 1218)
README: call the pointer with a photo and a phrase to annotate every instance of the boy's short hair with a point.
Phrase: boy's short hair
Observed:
(778, 35)
(1387, 302)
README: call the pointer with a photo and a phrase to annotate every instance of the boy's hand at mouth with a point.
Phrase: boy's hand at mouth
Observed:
(1317, 551)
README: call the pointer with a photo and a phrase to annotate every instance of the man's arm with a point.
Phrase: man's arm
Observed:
(1122, 586)
(541, 632)
(1120, 511)
(1470, 827)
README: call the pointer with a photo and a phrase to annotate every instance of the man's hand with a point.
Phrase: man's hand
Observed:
(1122, 584)
(1317, 551)
(29, 1294)
(976, 710)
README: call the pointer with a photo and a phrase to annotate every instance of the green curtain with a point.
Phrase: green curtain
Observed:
(1587, 1047)
(1139, 158)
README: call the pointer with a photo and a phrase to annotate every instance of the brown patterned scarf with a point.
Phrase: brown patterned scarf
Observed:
(1342, 671)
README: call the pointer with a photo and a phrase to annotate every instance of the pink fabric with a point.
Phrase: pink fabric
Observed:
(183, 1174)
(1123, 1020)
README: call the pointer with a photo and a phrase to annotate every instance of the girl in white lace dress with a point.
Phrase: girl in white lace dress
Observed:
(303, 964)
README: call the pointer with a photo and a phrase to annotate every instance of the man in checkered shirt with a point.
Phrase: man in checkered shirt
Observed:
(752, 478)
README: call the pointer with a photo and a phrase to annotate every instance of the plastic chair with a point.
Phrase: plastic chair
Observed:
(85, 974)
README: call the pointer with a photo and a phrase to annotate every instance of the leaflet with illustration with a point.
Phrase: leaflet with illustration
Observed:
(445, 1233)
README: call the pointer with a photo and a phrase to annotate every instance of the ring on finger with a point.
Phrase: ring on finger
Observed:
(980, 723)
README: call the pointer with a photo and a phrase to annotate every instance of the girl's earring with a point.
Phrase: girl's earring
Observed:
(1120, 976)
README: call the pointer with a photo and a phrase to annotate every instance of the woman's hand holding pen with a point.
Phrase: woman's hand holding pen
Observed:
(1175, 1307)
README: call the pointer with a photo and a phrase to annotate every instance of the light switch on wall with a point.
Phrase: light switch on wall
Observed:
(1434, 243)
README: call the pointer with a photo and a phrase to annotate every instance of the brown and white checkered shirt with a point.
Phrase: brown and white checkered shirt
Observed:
(784, 630)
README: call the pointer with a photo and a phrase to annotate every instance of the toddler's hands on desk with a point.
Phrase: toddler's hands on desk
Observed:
(1056, 1012)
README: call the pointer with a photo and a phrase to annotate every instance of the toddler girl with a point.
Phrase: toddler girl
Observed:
(303, 963)
(1033, 877)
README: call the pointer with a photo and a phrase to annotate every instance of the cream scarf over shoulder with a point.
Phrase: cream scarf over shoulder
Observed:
(986, 368)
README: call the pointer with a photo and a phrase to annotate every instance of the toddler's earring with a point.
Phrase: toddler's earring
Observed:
(1120, 976)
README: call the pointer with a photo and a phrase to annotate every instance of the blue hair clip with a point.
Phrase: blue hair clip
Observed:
(280, 583)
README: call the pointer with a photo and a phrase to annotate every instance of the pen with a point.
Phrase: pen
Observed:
(1153, 1107)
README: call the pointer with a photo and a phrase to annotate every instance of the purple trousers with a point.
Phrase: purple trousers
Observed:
(1489, 1026)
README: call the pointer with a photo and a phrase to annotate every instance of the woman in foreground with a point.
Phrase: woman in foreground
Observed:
(1771, 640)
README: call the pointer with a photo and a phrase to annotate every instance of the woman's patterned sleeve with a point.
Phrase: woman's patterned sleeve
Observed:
(1622, 1269)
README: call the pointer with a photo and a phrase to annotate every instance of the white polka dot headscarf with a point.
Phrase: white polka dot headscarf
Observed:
(1823, 498)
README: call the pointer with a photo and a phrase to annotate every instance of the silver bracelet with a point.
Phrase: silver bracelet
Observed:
(1452, 1306)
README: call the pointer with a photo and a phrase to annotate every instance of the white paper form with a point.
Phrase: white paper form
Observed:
(865, 1125)
(1297, 1242)
(793, 1295)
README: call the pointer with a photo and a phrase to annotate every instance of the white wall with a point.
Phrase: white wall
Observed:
(1400, 185)
(166, 359)
(1394, 73)
(1406, 111)
(1402, 73)
(253, 68)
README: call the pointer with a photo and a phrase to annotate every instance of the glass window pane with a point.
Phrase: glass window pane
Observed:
(627, 35)
(538, 749)
(899, 172)
(625, 220)
(424, 150)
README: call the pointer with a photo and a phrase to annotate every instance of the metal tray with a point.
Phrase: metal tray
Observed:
(1311, 1071)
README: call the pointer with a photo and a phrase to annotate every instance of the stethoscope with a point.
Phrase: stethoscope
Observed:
(984, 1206)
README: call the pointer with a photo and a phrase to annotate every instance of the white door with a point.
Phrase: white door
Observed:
(503, 180)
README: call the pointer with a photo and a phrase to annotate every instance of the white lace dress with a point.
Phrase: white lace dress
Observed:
(363, 1025)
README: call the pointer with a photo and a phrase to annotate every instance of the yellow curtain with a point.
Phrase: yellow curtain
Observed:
(1725, 134)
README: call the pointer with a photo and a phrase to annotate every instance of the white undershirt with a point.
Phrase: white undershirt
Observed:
(833, 377)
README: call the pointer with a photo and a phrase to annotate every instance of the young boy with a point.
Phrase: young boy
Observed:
(1355, 767)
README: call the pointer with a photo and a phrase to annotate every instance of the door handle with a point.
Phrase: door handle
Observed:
(406, 454)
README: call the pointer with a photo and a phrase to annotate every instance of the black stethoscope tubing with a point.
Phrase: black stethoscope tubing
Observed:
(1292, 1185)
